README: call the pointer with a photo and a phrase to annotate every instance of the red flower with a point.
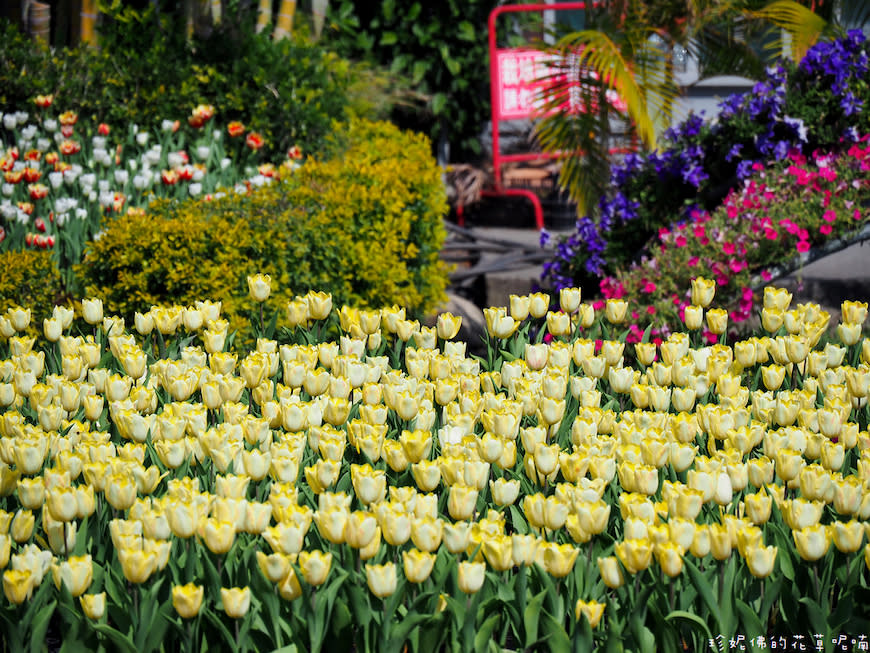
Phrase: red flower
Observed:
(2, 234)
(803, 246)
(826, 229)
(254, 141)
(14, 176)
(103, 129)
(37, 191)
(169, 177)
(27, 207)
(680, 241)
(51, 158)
(39, 223)
(201, 115)
(235, 128)
(728, 248)
(43, 101)
(32, 175)
(70, 147)
(829, 216)
(294, 153)
(68, 118)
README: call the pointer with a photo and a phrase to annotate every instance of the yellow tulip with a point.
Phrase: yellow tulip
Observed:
(93, 605)
(426, 533)
(812, 542)
(381, 579)
(448, 325)
(669, 557)
(559, 558)
(218, 535)
(615, 310)
(76, 572)
(703, 291)
(187, 599)
(138, 566)
(848, 536)
(417, 565)
(462, 501)
(360, 529)
(498, 552)
(471, 576)
(236, 601)
(760, 560)
(315, 566)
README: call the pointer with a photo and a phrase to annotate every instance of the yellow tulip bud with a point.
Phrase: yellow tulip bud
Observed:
(381, 579)
(236, 601)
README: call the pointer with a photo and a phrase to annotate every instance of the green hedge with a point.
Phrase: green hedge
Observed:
(365, 225)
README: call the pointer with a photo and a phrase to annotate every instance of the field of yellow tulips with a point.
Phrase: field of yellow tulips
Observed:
(358, 482)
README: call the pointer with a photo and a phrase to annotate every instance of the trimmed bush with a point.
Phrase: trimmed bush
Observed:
(30, 278)
(364, 225)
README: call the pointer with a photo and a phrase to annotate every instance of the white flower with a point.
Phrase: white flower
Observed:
(142, 138)
(21, 117)
(121, 176)
(99, 142)
(175, 160)
(22, 217)
(203, 151)
(167, 125)
(42, 144)
(61, 219)
(56, 179)
(81, 214)
(104, 185)
(198, 174)
(9, 121)
(8, 189)
(225, 163)
(194, 189)
(49, 124)
(29, 132)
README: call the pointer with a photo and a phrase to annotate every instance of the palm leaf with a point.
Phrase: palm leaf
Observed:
(599, 53)
(803, 26)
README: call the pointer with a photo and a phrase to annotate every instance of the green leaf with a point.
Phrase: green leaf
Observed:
(484, 633)
(389, 38)
(531, 616)
(705, 590)
(439, 101)
(121, 642)
(816, 616)
(39, 626)
(752, 625)
(418, 71)
(688, 616)
(466, 31)
(554, 634)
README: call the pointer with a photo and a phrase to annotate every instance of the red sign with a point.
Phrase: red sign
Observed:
(522, 74)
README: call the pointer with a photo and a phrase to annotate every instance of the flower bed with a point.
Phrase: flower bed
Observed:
(358, 482)
(776, 214)
(62, 179)
(815, 105)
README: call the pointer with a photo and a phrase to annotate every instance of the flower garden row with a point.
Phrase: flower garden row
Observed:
(60, 184)
(358, 480)
(764, 150)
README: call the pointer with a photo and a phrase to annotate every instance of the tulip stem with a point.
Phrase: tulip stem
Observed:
(816, 580)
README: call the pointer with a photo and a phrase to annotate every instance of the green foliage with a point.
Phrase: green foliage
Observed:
(146, 71)
(364, 225)
(440, 46)
(30, 278)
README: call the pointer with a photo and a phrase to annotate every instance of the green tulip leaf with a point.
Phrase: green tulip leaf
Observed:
(751, 624)
(692, 618)
(531, 617)
(554, 634)
(484, 633)
(120, 642)
(815, 615)
(705, 590)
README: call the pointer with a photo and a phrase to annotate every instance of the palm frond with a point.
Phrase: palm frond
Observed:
(803, 26)
(596, 51)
